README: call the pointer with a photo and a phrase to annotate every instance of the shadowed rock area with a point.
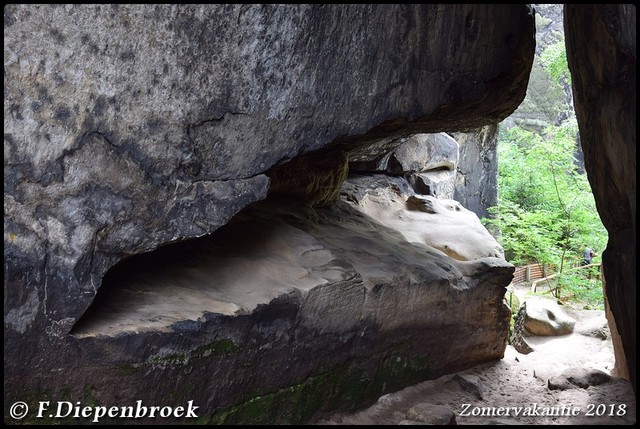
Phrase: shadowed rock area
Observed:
(342, 308)
(128, 127)
(476, 187)
(601, 52)
(260, 256)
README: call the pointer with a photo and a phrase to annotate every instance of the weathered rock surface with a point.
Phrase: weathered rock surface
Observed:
(549, 100)
(518, 337)
(340, 307)
(418, 153)
(122, 132)
(476, 186)
(129, 127)
(572, 378)
(601, 52)
(313, 179)
(544, 317)
(470, 384)
(440, 224)
(596, 327)
(427, 161)
(430, 414)
(462, 166)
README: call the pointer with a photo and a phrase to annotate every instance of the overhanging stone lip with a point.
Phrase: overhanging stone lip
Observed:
(264, 254)
(105, 134)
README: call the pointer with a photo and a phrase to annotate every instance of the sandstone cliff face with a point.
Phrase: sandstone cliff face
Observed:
(548, 102)
(128, 127)
(476, 185)
(601, 51)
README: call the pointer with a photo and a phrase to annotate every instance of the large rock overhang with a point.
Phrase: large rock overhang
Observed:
(128, 127)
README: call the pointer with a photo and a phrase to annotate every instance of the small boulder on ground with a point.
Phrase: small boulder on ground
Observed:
(596, 327)
(544, 317)
(572, 378)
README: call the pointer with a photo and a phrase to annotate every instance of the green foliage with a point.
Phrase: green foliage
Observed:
(514, 304)
(546, 211)
(582, 286)
(554, 60)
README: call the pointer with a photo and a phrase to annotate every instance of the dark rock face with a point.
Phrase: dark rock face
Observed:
(427, 161)
(314, 179)
(476, 185)
(548, 101)
(288, 310)
(601, 51)
(128, 127)
(462, 166)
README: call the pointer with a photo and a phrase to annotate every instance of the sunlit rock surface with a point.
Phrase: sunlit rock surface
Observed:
(442, 224)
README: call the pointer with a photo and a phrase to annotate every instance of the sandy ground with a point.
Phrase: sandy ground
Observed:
(517, 380)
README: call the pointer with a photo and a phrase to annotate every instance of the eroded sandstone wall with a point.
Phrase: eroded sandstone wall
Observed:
(477, 173)
(129, 127)
(601, 51)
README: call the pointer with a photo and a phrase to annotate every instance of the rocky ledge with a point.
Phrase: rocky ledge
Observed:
(342, 308)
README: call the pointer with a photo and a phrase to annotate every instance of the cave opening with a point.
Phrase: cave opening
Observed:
(288, 243)
(247, 262)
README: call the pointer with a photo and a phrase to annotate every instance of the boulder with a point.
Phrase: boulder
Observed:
(326, 290)
(572, 378)
(428, 162)
(596, 327)
(422, 219)
(544, 317)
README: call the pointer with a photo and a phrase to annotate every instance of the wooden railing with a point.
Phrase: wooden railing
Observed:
(530, 272)
(534, 284)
